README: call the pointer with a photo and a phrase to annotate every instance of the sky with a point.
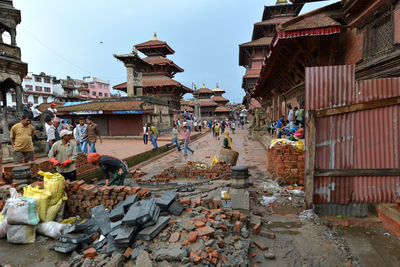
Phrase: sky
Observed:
(78, 38)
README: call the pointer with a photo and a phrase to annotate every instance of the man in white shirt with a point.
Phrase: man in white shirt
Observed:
(53, 109)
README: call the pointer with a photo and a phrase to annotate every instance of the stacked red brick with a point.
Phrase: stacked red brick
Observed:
(83, 197)
(287, 164)
(191, 170)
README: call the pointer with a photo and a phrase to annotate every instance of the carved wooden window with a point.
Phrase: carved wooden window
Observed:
(379, 37)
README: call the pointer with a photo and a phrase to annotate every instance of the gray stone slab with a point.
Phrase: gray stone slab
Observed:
(110, 245)
(135, 252)
(166, 200)
(240, 199)
(152, 231)
(140, 212)
(65, 247)
(171, 254)
(98, 245)
(115, 231)
(101, 217)
(116, 224)
(154, 218)
(176, 208)
(117, 214)
(126, 235)
(76, 238)
(127, 203)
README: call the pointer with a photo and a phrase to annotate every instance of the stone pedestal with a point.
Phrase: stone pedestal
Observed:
(240, 199)
(256, 135)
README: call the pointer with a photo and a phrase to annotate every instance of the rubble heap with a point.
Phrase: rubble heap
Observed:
(180, 232)
(287, 164)
(191, 170)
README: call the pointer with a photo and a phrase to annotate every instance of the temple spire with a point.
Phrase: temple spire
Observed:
(155, 36)
(204, 85)
(282, 2)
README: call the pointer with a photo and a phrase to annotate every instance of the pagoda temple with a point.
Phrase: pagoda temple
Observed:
(153, 75)
(251, 54)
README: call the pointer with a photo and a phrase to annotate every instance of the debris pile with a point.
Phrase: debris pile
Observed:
(83, 197)
(137, 173)
(286, 163)
(178, 232)
(191, 170)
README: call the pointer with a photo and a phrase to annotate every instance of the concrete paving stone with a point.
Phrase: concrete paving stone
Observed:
(171, 254)
(116, 224)
(65, 247)
(166, 200)
(117, 214)
(98, 245)
(176, 208)
(136, 251)
(115, 231)
(152, 231)
(143, 260)
(76, 238)
(116, 260)
(110, 245)
(102, 219)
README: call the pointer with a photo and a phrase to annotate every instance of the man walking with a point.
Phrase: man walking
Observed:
(153, 135)
(21, 135)
(187, 139)
(52, 134)
(80, 132)
(175, 138)
(63, 156)
(92, 133)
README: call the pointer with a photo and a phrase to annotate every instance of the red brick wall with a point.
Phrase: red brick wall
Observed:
(286, 163)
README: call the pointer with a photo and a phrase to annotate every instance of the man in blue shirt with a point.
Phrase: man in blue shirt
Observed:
(80, 133)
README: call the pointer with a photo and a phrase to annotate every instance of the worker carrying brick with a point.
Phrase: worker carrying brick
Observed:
(112, 167)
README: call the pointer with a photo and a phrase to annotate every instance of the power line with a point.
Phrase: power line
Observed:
(63, 58)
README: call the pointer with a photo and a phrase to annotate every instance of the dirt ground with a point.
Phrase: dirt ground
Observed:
(296, 242)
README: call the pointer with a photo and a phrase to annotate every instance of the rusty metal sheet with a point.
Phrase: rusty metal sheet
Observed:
(365, 139)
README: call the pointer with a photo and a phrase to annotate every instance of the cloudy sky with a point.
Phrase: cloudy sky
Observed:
(79, 37)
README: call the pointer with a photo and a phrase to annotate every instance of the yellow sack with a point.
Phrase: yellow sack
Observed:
(214, 161)
(42, 199)
(55, 184)
(299, 145)
(52, 211)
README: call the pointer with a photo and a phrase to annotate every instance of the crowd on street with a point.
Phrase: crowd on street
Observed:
(292, 127)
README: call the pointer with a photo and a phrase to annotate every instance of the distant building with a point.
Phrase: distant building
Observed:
(98, 88)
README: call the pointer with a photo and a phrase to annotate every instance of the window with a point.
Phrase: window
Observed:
(35, 99)
(100, 85)
(38, 88)
(29, 87)
(44, 99)
(379, 36)
(47, 80)
(47, 89)
(105, 94)
(14, 98)
(93, 93)
(38, 79)
(105, 86)
(100, 94)
(92, 85)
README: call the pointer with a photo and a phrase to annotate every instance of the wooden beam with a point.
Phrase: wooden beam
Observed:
(360, 107)
(357, 172)
(310, 159)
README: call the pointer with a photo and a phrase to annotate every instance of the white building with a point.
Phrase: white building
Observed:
(38, 88)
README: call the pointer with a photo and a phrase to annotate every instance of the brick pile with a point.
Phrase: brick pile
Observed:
(191, 170)
(287, 164)
(83, 197)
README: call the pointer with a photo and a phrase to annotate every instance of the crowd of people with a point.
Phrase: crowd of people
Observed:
(292, 128)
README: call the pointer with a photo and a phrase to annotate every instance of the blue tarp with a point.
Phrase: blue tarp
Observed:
(68, 104)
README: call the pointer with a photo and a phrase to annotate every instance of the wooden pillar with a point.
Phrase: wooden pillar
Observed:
(310, 159)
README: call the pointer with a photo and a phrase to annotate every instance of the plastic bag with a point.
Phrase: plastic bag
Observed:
(308, 214)
(268, 200)
(42, 199)
(21, 211)
(214, 161)
(3, 226)
(54, 183)
(21, 234)
(52, 211)
(51, 229)
(299, 145)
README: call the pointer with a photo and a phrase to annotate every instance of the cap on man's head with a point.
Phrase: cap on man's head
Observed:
(30, 103)
(64, 133)
(56, 119)
(52, 104)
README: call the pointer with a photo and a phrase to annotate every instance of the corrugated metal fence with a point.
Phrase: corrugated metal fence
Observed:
(357, 127)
